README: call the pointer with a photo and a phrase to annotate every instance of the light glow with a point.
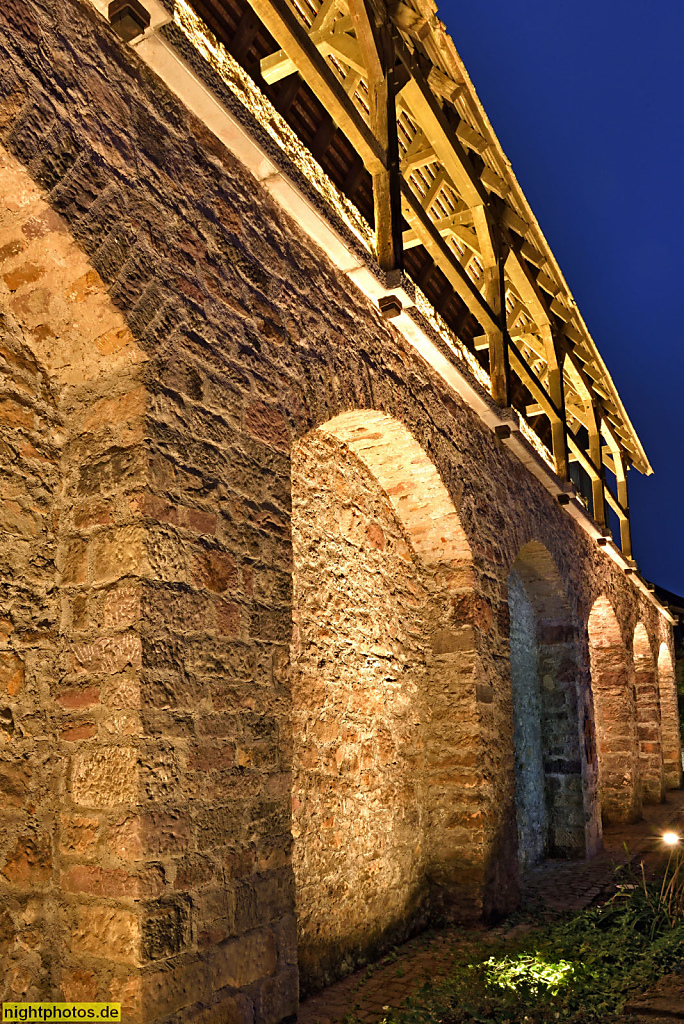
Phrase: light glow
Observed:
(532, 973)
(670, 838)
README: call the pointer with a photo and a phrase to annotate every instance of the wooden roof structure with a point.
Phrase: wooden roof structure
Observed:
(380, 98)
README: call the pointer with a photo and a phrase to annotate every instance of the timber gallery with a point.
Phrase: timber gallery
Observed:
(318, 613)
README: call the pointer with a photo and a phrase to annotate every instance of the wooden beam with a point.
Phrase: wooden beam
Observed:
(444, 86)
(287, 29)
(377, 52)
(526, 287)
(445, 259)
(575, 373)
(584, 460)
(532, 383)
(448, 227)
(425, 110)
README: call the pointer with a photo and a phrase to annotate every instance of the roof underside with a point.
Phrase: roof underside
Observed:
(537, 296)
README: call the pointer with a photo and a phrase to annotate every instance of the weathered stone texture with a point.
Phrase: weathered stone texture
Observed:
(669, 718)
(361, 622)
(615, 716)
(648, 718)
(166, 337)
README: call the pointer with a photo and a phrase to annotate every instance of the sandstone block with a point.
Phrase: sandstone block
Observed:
(244, 960)
(106, 932)
(29, 862)
(117, 553)
(216, 570)
(79, 986)
(79, 697)
(108, 655)
(11, 673)
(268, 425)
(78, 834)
(106, 777)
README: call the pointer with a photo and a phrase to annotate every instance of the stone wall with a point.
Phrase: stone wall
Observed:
(30, 615)
(171, 337)
(361, 621)
(669, 718)
(612, 676)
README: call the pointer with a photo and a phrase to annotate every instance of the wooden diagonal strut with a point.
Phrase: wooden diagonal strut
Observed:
(445, 259)
(354, 57)
(290, 33)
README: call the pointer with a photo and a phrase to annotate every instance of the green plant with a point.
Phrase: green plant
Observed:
(576, 971)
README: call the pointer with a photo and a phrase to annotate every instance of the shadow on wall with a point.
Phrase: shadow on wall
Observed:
(549, 768)
(386, 759)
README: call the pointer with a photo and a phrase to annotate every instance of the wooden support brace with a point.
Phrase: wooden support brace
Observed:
(533, 384)
(291, 34)
(445, 259)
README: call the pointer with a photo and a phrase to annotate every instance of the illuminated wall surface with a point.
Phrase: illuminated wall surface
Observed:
(361, 621)
(295, 656)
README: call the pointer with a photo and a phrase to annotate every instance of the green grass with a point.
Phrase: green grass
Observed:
(575, 971)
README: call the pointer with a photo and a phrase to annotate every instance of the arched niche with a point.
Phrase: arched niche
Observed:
(648, 718)
(615, 716)
(386, 754)
(546, 735)
(669, 719)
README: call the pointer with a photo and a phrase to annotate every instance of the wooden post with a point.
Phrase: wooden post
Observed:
(499, 363)
(374, 36)
(596, 456)
(623, 500)
(554, 362)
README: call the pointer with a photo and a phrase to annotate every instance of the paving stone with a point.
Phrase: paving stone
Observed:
(559, 886)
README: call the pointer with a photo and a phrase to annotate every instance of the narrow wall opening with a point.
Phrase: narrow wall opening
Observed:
(615, 717)
(544, 681)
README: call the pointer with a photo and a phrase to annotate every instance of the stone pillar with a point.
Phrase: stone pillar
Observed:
(669, 718)
(614, 702)
(648, 719)
(469, 846)
(144, 656)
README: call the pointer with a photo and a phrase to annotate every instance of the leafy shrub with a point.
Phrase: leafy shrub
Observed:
(576, 971)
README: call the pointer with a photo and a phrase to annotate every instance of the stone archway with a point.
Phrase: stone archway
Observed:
(669, 719)
(648, 718)
(385, 737)
(615, 716)
(544, 681)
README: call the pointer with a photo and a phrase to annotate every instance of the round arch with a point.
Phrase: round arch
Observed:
(614, 716)
(546, 732)
(409, 479)
(386, 751)
(669, 718)
(648, 718)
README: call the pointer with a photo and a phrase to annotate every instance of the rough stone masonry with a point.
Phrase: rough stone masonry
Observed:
(265, 705)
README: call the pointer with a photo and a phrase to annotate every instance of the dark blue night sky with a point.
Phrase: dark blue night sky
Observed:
(587, 99)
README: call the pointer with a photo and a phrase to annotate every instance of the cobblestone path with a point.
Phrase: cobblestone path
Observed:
(554, 886)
